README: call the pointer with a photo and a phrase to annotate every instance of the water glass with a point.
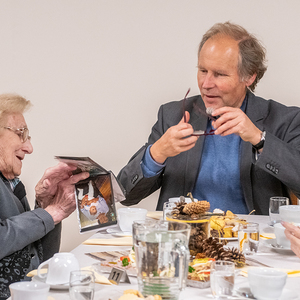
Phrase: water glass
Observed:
(275, 203)
(82, 285)
(167, 209)
(162, 257)
(222, 279)
(248, 236)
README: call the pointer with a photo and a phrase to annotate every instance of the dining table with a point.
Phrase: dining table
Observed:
(266, 255)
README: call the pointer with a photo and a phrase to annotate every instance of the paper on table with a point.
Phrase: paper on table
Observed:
(157, 215)
(122, 241)
(290, 273)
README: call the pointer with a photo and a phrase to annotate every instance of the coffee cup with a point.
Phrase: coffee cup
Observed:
(266, 283)
(290, 213)
(126, 216)
(281, 239)
(59, 268)
(29, 290)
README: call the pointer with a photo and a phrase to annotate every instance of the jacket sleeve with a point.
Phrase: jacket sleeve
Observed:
(281, 152)
(19, 227)
(137, 186)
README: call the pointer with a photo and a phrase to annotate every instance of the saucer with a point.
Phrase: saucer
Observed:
(286, 293)
(52, 286)
(274, 246)
(116, 232)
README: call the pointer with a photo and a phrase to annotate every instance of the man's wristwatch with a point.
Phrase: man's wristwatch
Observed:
(262, 141)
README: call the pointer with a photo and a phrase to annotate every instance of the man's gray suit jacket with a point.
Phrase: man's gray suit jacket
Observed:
(276, 172)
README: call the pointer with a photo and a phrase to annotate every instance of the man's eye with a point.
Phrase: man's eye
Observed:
(219, 74)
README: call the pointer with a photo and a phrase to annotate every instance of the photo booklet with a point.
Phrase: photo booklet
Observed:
(95, 196)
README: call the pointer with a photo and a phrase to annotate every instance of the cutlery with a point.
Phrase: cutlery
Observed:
(257, 262)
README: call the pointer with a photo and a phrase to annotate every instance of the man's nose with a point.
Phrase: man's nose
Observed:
(27, 147)
(208, 81)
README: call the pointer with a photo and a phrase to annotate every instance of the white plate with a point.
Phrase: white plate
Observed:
(52, 286)
(116, 232)
(273, 245)
(229, 239)
(286, 293)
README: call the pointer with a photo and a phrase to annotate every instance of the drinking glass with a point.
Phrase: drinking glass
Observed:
(275, 203)
(248, 236)
(82, 285)
(162, 257)
(222, 279)
(167, 209)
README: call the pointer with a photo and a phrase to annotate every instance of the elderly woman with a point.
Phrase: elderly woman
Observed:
(28, 237)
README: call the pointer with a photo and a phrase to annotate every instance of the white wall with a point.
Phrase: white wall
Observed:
(97, 71)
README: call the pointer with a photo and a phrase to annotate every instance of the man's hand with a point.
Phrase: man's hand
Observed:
(234, 120)
(292, 232)
(46, 188)
(63, 203)
(175, 140)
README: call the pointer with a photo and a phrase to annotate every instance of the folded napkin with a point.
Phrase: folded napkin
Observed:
(122, 241)
(157, 215)
(98, 278)
(290, 273)
(34, 272)
(267, 236)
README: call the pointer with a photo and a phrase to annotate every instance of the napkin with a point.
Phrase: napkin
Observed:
(122, 241)
(290, 273)
(98, 278)
(157, 215)
(267, 236)
(34, 272)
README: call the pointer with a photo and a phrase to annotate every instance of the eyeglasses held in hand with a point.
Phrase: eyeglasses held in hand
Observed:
(183, 105)
(204, 113)
(198, 132)
(22, 133)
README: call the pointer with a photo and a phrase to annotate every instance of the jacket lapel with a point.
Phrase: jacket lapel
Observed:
(193, 157)
(255, 112)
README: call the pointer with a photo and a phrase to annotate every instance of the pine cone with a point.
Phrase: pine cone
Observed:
(199, 207)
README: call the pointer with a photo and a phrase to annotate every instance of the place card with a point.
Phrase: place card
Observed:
(116, 275)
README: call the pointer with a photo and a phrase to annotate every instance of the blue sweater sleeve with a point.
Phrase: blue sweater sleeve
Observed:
(149, 166)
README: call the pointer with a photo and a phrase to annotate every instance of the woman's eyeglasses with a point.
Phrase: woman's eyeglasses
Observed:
(22, 133)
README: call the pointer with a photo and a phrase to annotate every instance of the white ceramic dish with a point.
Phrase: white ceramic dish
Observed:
(272, 244)
(290, 213)
(286, 293)
(52, 287)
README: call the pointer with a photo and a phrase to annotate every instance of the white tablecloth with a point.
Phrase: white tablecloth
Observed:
(265, 255)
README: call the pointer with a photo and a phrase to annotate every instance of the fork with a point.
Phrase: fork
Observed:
(257, 262)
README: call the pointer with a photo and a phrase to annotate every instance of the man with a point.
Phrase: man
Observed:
(254, 151)
(28, 237)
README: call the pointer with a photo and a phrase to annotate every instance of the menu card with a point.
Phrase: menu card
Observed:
(95, 196)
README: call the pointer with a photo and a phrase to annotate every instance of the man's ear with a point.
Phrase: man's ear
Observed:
(250, 80)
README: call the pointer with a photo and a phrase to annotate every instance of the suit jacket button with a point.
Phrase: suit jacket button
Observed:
(134, 179)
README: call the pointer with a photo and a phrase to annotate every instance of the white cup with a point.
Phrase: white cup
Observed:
(59, 268)
(126, 216)
(266, 283)
(29, 290)
(290, 213)
(281, 239)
